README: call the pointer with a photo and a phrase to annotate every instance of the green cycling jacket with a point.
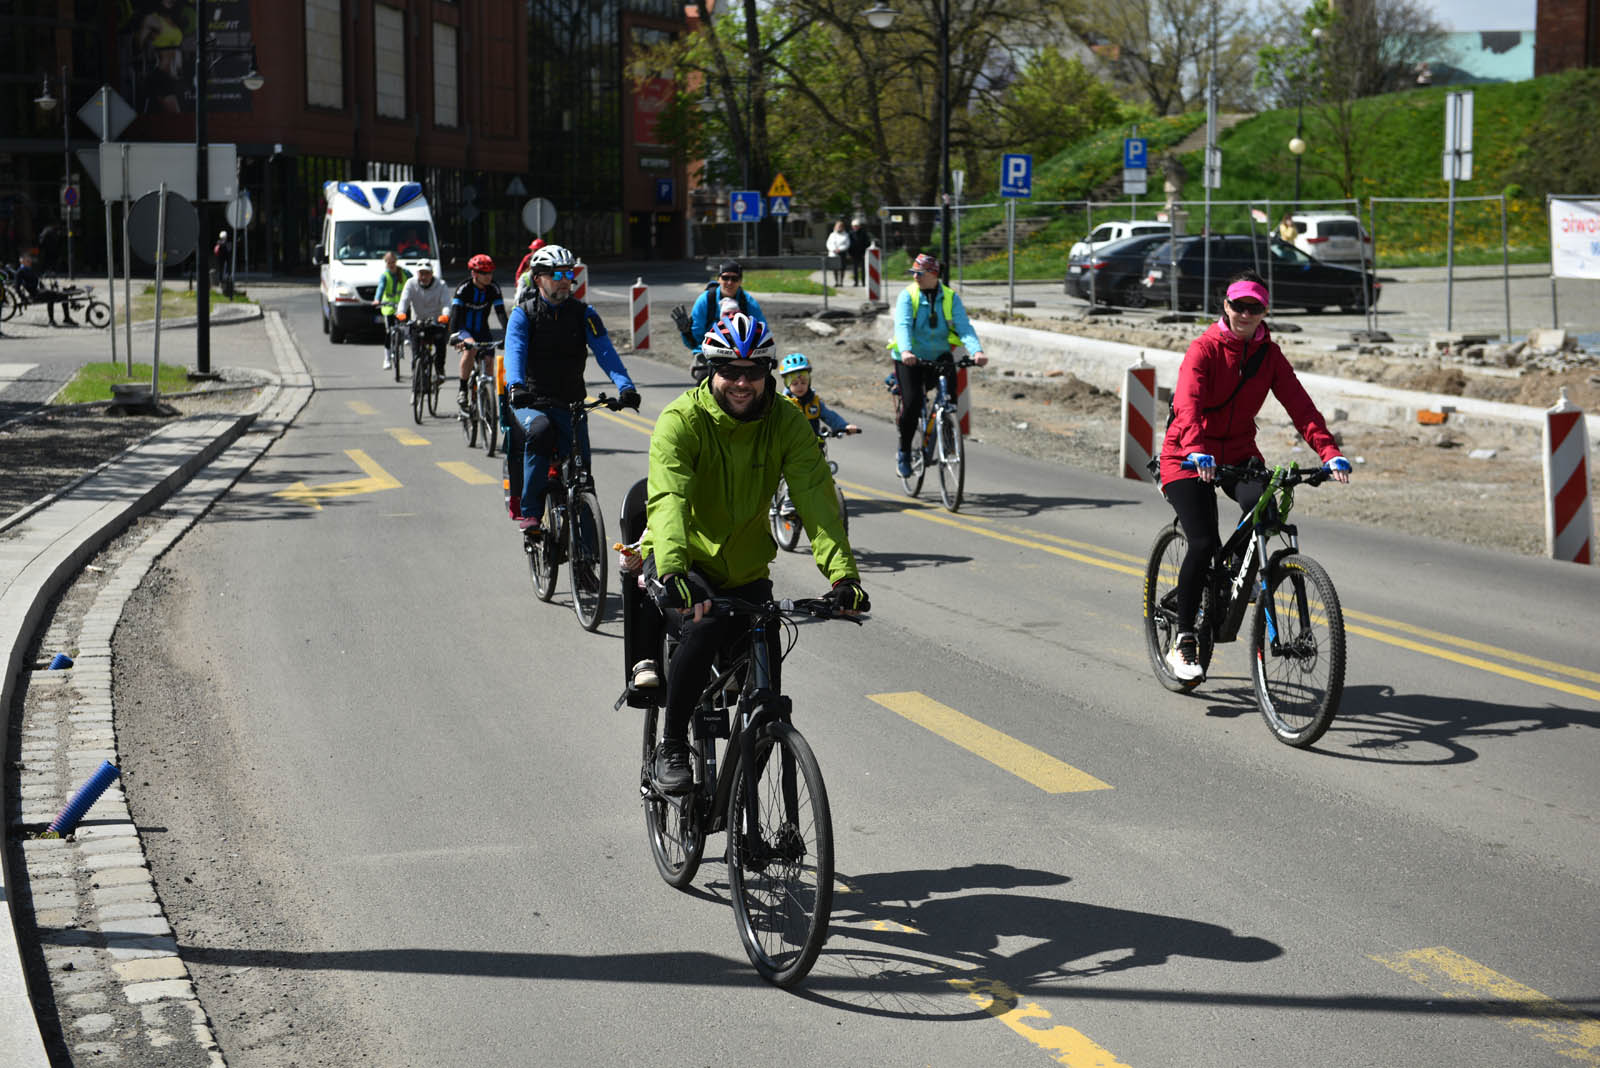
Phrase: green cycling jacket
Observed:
(712, 478)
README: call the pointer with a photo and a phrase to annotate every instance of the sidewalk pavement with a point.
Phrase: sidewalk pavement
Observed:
(44, 545)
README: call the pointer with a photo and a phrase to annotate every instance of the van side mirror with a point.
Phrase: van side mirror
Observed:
(319, 255)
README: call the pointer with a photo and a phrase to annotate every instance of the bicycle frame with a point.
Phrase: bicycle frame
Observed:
(1249, 542)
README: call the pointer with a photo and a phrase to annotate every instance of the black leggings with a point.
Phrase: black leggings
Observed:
(915, 380)
(1196, 504)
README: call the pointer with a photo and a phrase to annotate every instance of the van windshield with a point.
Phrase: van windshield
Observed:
(369, 240)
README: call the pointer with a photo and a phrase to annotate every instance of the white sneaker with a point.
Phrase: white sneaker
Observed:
(387, 363)
(1183, 659)
(645, 676)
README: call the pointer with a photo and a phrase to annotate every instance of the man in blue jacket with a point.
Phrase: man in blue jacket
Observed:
(929, 321)
(707, 309)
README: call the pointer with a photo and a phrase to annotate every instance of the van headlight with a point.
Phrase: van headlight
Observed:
(344, 293)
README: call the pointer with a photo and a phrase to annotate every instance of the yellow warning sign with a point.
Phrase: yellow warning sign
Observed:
(780, 188)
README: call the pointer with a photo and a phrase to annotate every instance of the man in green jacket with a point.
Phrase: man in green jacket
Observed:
(715, 459)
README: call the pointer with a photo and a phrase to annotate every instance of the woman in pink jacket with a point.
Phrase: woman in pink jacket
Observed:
(1222, 383)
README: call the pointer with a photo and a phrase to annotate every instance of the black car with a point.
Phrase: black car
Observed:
(1112, 273)
(1295, 279)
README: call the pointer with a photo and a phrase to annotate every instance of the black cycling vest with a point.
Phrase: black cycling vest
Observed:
(558, 349)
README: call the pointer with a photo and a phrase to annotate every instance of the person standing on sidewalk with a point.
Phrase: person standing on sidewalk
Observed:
(838, 251)
(860, 241)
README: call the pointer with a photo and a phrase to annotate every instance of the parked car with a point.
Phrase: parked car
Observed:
(1116, 230)
(1295, 279)
(1114, 273)
(1333, 237)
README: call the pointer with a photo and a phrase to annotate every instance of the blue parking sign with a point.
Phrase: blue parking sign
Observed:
(744, 206)
(1016, 175)
(664, 191)
(1135, 153)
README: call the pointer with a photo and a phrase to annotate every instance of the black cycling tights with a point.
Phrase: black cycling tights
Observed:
(1196, 504)
(915, 380)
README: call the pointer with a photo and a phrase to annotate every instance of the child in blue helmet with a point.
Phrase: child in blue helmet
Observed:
(796, 371)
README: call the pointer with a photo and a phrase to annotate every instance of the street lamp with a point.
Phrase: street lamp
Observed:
(252, 81)
(47, 104)
(1297, 144)
(881, 17)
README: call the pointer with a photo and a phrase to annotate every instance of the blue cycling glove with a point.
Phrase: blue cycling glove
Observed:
(1200, 460)
(1338, 463)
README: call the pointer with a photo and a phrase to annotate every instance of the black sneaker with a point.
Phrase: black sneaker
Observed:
(672, 772)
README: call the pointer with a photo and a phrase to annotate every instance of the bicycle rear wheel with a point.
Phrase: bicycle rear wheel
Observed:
(781, 881)
(586, 563)
(676, 840)
(489, 415)
(952, 455)
(785, 524)
(1297, 651)
(542, 555)
(1161, 608)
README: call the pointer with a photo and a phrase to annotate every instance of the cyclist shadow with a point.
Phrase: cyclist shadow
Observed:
(901, 948)
(868, 562)
(1376, 724)
(1024, 505)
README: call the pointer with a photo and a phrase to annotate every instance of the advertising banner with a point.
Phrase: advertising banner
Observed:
(1575, 238)
(156, 46)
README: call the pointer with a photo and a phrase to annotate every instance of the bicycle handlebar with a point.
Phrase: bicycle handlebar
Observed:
(726, 606)
(1292, 476)
(456, 339)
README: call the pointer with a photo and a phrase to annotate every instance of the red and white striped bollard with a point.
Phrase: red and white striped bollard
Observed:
(641, 315)
(1568, 514)
(580, 285)
(874, 274)
(1138, 420)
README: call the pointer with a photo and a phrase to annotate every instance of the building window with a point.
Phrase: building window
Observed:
(389, 61)
(446, 111)
(324, 54)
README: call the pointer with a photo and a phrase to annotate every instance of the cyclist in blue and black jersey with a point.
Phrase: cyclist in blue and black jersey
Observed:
(708, 308)
(469, 313)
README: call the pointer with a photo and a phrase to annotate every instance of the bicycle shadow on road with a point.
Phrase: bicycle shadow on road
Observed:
(874, 563)
(1377, 724)
(919, 954)
(1026, 505)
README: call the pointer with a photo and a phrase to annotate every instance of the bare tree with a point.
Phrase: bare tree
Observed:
(1162, 49)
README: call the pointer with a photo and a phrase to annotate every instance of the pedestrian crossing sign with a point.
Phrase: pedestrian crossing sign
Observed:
(780, 206)
(780, 188)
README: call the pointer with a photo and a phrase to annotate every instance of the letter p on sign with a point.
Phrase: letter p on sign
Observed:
(1016, 175)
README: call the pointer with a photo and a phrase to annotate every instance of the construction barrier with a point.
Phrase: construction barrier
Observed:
(580, 287)
(963, 402)
(1138, 421)
(641, 315)
(874, 274)
(1568, 514)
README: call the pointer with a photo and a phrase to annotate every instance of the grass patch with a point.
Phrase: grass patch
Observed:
(785, 282)
(93, 381)
(175, 303)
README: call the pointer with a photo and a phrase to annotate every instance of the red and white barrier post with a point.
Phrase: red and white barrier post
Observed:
(874, 274)
(580, 286)
(641, 315)
(1568, 513)
(1138, 420)
(963, 403)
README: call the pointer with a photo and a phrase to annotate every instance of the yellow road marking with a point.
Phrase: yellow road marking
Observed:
(1448, 974)
(1475, 662)
(1066, 1045)
(998, 748)
(1480, 647)
(467, 473)
(361, 407)
(377, 480)
(629, 419)
(406, 436)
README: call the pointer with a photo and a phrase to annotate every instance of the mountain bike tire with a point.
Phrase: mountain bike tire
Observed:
(952, 455)
(1298, 689)
(781, 885)
(1161, 613)
(586, 560)
(785, 524)
(421, 385)
(677, 842)
(489, 416)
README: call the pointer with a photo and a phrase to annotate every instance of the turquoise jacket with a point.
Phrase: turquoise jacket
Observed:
(712, 478)
(926, 330)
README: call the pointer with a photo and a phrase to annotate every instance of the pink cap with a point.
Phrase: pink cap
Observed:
(1252, 290)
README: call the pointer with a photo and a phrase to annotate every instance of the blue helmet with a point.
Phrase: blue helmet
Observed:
(738, 337)
(794, 363)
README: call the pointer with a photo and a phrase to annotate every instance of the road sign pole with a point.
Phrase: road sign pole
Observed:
(111, 263)
(161, 262)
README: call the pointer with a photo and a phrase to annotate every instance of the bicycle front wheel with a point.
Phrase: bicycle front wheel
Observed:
(99, 314)
(916, 457)
(1297, 651)
(1161, 608)
(785, 524)
(542, 555)
(781, 879)
(397, 349)
(421, 386)
(952, 456)
(676, 840)
(586, 563)
(489, 416)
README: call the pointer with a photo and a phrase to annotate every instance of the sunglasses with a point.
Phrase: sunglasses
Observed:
(564, 275)
(1247, 307)
(754, 372)
(731, 277)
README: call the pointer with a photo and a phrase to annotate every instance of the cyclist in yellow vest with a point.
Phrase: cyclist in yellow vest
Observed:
(929, 321)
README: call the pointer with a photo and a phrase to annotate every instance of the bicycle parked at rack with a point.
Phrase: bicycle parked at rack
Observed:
(938, 440)
(786, 525)
(768, 796)
(1297, 632)
(425, 339)
(480, 418)
(571, 530)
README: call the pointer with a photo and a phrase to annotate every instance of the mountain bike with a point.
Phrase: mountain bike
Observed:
(768, 796)
(394, 345)
(572, 531)
(480, 418)
(426, 381)
(938, 440)
(786, 525)
(1297, 641)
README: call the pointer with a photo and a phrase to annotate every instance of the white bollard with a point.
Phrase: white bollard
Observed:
(580, 286)
(1568, 514)
(1138, 420)
(641, 315)
(874, 274)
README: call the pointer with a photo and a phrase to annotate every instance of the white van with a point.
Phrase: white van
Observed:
(363, 221)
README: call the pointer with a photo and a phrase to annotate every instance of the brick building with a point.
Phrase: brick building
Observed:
(1567, 35)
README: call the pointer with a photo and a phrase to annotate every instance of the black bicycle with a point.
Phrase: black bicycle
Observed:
(480, 419)
(938, 440)
(571, 530)
(786, 525)
(1297, 635)
(769, 796)
(425, 340)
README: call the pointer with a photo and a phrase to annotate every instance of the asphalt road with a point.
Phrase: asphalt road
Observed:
(434, 848)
